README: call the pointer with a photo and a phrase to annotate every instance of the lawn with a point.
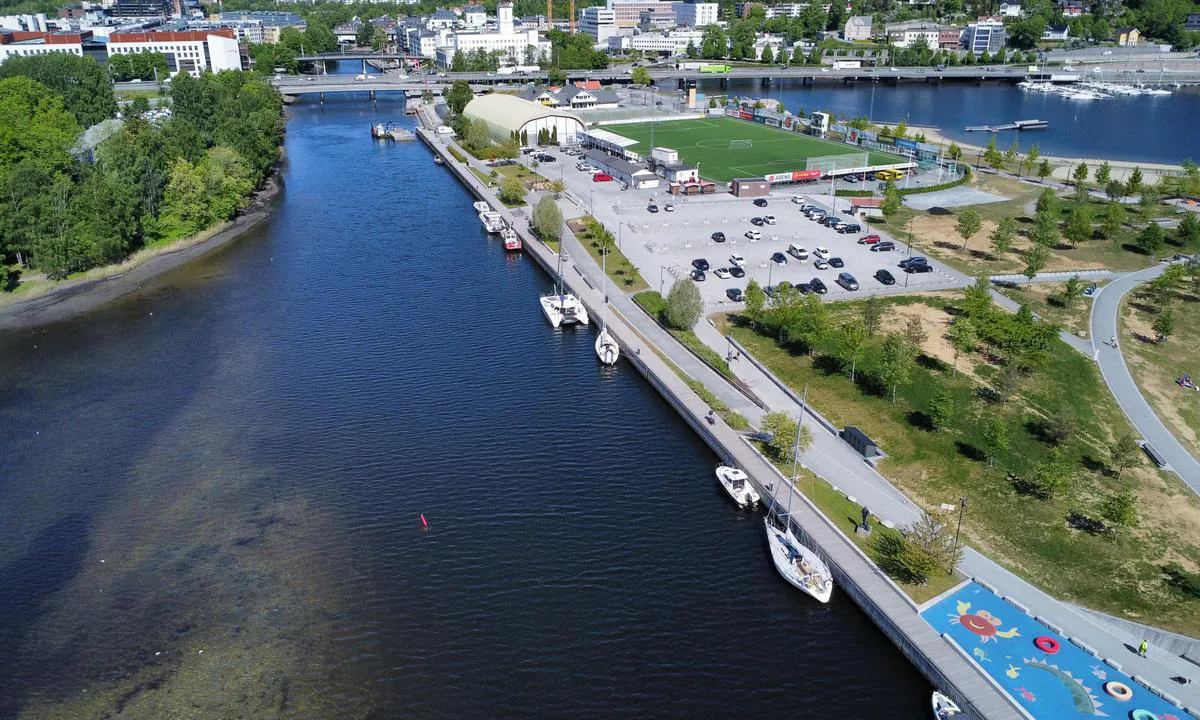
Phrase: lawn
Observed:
(1033, 536)
(707, 143)
(1156, 366)
(1046, 301)
(623, 274)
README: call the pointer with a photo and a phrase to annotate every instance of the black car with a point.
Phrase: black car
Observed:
(818, 286)
(652, 208)
(909, 263)
(850, 228)
(847, 281)
(884, 277)
(699, 276)
(779, 258)
(830, 220)
(735, 294)
(885, 246)
(700, 264)
(760, 202)
(756, 221)
(837, 262)
(804, 288)
(919, 268)
(718, 237)
(770, 290)
(736, 271)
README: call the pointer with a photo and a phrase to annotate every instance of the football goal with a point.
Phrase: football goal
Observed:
(842, 162)
(741, 144)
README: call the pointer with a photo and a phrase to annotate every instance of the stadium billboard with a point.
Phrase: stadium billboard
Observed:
(793, 176)
(906, 144)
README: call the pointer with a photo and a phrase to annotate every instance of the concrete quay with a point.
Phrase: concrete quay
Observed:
(940, 661)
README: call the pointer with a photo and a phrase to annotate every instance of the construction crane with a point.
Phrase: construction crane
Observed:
(549, 14)
(572, 15)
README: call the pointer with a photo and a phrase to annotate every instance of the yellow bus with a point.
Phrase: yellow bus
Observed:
(889, 175)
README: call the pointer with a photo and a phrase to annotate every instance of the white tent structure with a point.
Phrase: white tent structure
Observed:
(505, 114)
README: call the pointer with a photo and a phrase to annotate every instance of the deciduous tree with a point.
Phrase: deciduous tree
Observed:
(967, 225)
(963, 338)
(851, 344)
(1120, 510)
(1079, 225)
(1123, 454)
(995, 437)
(941, 410)
(684, 305)
(1003, 235)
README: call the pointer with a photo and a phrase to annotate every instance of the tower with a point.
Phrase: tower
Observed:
(504, 16)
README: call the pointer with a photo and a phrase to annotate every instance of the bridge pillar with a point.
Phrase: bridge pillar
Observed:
(372, 95)
(724, 83)
(322, 96)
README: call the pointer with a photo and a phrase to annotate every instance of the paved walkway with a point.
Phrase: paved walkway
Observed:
(1104, 325)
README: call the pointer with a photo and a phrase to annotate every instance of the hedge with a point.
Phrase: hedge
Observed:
(855, 193)
(944, 186)
(457, 155)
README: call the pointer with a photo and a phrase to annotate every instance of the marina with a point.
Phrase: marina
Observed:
(1014, 125)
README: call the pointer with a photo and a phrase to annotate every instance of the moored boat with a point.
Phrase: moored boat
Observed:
(943, 707)
(797, 564)
(607, 349)
(492, 221)
(564, 309)
(737, 485)
(512, 241)
(481, 206)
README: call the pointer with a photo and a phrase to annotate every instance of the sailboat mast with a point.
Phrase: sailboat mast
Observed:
(796, 453)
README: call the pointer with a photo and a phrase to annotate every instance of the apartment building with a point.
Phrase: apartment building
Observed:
(628, 13)
(599, 22)
(192, 52)
(984, 36)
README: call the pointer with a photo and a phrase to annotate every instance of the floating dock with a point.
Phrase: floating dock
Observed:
(384, 131)
(1014, 125)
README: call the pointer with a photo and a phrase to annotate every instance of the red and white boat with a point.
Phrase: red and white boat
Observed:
(512, 241)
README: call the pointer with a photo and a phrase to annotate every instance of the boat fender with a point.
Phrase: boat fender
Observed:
(1118, 690)
(1047, 645)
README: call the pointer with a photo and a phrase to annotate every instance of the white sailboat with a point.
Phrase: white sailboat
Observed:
(607, 349)
(943, 707)
(797, 564)
(737, 484)
(561, 307)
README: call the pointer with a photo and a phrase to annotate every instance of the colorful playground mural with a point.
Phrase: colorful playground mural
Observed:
(1047, 675)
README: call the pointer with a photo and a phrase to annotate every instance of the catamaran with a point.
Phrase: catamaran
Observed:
(737, 484)
(797, 564)
(607, 349)
(561, 307)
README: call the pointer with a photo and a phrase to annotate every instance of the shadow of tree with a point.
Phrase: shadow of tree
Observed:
(920, 420)
(969, 451)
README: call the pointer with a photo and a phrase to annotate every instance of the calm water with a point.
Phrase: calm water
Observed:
(1144, 128)
(211, 493)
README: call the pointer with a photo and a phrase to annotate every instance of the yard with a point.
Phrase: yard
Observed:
(1053, 540)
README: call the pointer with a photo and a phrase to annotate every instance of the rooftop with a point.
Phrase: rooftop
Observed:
(610, 137)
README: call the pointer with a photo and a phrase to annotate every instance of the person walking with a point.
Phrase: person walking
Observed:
(1113, 342)
(1143, 648)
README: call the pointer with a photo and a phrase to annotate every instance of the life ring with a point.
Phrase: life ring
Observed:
(1141, 714)
(1047, 645)
(1118, 690)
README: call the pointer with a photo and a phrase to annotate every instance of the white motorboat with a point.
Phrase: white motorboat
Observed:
(607, 350)
(492, 221)
(797, 564)
(563, 308)
(943, 707)
(737, 484)
(481, 206)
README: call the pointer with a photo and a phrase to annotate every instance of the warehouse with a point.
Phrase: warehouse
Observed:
(506, 114)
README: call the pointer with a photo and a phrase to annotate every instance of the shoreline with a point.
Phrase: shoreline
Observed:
(71, 298)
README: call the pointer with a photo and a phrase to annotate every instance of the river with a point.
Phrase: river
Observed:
(1152, 129)
(212, 492)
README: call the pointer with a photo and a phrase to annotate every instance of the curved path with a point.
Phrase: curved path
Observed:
(1104, 324)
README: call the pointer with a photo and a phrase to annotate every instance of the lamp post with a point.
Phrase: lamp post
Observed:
(962, 505)
(660, 278)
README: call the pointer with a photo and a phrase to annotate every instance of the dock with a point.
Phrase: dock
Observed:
(1014, 125)
(945, 666)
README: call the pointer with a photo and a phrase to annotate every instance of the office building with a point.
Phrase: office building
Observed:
(695, 14)
(190, 52)
(599, 22)
(984, 36)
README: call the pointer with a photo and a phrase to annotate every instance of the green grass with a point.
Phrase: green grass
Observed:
(706, 142)
(1029, 535)
(1045, 300)
(654, 304)
(623, 274)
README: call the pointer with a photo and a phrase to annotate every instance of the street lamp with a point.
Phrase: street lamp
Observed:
(660, 278)
(962, 505)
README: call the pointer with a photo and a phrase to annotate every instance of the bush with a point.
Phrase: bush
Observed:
(855, 193)
(512, 192)
(548, 220)
(706, 395)
(684, 305)
(735, 421)
(944, 186)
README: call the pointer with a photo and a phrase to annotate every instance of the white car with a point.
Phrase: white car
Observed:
(797, 251)
(798, 199)
(820, 264)
(822, 253)
(722, 273)
(753, 235)
(668, 208)
(769, 219)
(738, 260)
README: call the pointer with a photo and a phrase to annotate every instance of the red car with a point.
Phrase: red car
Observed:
(868, 239)
(602, 177)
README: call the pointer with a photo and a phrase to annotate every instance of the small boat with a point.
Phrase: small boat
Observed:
(492, 221)
(481, 206)
(512, 241)
(943, 707)
(607, 349)
(437, 160)
(563, 308)
(737, 484)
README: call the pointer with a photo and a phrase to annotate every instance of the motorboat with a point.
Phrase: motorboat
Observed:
(944, 708)
(481, 206)
(563, 308)
(607, 349)
(797, 564)
(492, 221)
(737, 484)
(437, 160)
(512, 241)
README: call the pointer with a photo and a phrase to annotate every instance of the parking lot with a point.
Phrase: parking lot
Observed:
(665, 243)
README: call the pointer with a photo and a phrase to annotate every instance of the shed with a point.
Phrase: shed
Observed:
(750, 187)
(858, 440)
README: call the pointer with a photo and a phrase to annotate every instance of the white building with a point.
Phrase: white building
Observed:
(506, 41)
(25, 44)
(858, 28)
(508, 114)
(674, 42)
(474, 16)
(1010, 8)
(628, 13)
(695, 14)
(25, 23)
(190, 52)
(598, 22)
(907, 34)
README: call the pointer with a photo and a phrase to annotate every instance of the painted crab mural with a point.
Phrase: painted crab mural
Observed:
(982, 623)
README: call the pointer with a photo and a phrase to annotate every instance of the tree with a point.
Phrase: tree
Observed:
(714, 43)
(81, 82)
(1114, 189)
(1010, 155)
(941, 410)
(363, 33)
(691, 51)
(1031, 157)
(1035, 260)
(872, 315)
(186, 198)
(977, 299)
(783, 445)
(1103, 174)
(458, 96)
(1148, 199)
(1123, 454)
(891, 200)
(1150, 240)
(993, 156)
(968, 224)
(954, 152)
(1045, 232)
(379, 39)
(512, 191)
(768, 57)
(931, 546)
(914, 333)
(1044, 170)
(34, 126)
(641, 76)
(995, 437)
(851, 344)
(1188, 231)
(1079, 225)
(895, 362)
(1003, 235)
(1072, 291)
(479, 137)
(1048, 203)
(1052, 476)
(1114, 218)
(1164, 326)
(1120, 510)
(1134, 183)
(548, 219)
(755, 299)
(1080, 174)
(684, 305)
(963, 338)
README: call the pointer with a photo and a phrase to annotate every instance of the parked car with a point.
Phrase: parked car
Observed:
(669, 207)
(885, 277)
(820, 264)
(804, 288)
(799, 200)
(699, 276)
(771, 290)
(829, 220)
(652, 208)
(797, 251)
(906, 263)
(700, 264)
(837, 262)
(602, 177)
(779, 258)
(814, 213)
(718, 237)
(919, 268)
(756, 221)
(760, 202)
(735, 294)
(846, 228)
(769, 219)
(822, 253)
(737, 260)
(885, 246)
(753, 235)
(818, 286)
(722, 273)
(869, 239)
(736, 271)
(847, 281)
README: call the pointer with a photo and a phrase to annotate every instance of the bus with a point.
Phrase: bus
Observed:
(715, 69)
(892, 175)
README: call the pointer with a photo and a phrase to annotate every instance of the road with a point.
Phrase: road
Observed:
(1104, 325)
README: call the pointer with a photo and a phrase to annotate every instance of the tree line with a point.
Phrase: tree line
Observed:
(66, 210)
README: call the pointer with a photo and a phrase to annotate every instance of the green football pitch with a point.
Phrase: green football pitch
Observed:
(707, 143)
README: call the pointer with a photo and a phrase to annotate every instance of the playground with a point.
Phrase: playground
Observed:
(725, 148)
(1048, 676)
